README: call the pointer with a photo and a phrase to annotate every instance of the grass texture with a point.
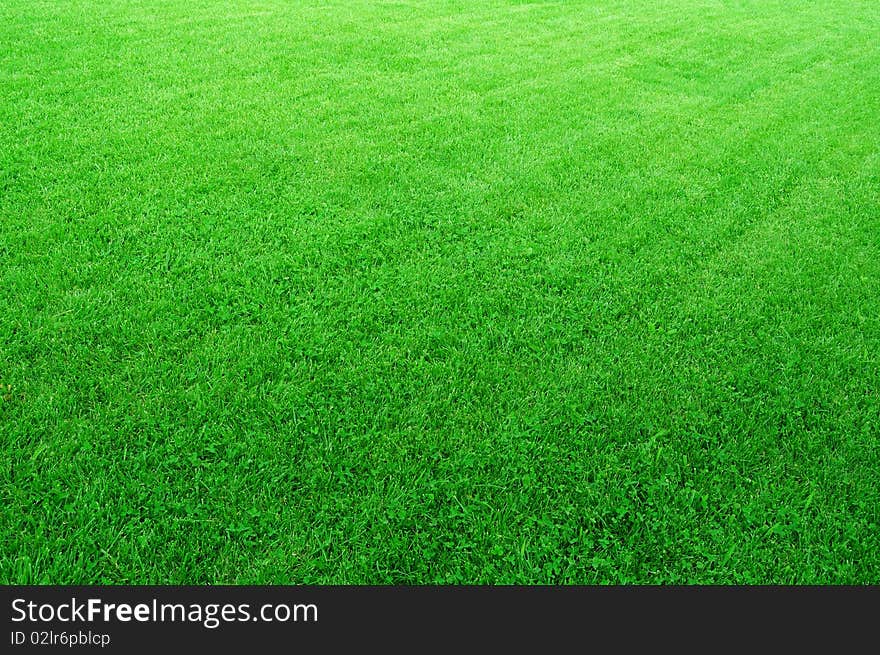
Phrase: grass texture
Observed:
(361, 291)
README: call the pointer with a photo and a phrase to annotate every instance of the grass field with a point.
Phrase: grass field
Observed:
(440, 291)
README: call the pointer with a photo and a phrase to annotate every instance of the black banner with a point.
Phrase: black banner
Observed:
(127, 619)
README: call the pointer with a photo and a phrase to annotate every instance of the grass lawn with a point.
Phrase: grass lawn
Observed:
(364, 291)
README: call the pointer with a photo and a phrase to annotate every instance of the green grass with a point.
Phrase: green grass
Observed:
(365, 291)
